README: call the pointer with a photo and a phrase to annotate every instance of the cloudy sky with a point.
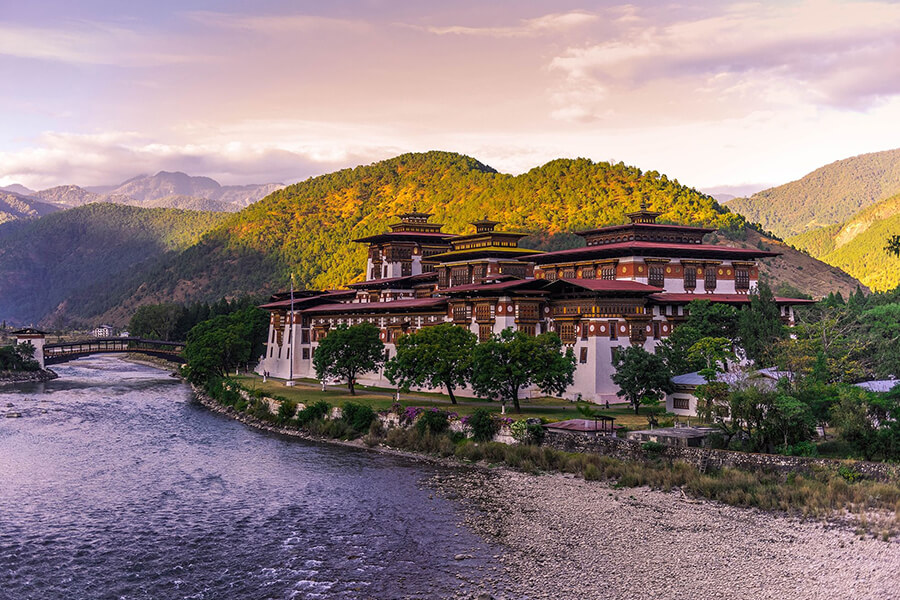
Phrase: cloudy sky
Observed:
(712, 93)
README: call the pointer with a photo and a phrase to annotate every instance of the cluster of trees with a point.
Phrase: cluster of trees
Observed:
(835, 344)
(449, 356)
(171, 321)
(224, 343)
(18, 357)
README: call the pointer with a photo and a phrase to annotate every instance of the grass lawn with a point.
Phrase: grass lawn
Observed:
(552, 409)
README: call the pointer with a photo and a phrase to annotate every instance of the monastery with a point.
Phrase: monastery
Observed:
(629, 284)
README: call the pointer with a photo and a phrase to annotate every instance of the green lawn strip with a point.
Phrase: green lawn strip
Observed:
(308, 391)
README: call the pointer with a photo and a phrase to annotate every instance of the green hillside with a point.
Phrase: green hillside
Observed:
(857, 246)
(308, 227)
(44, 263)
(830, 195)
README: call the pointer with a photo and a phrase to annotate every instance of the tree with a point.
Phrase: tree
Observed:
(893, 245)
(218, 345)
(433, 356)
(705, 319)
(157, 321)
(640, 375)
(512, 360)
(713, 353)
(347, 352)
(760, 326)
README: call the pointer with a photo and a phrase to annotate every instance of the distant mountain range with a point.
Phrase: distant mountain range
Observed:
(163, 190)
(14, 206)
(830, 195)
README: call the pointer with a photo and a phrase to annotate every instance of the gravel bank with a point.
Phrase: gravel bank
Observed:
(572, 539)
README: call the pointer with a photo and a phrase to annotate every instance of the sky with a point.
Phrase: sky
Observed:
(723, 96)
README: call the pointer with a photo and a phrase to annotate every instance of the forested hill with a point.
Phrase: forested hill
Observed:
(827, 196)
(46, 262)
(309, 227)
(857, 245)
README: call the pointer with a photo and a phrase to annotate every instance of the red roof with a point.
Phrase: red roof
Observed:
(584, 425)
(406, 235)
(653, 249)
(611, 228)
(724, 298)
(612, 285)
(489, 287)
(345, 307)
(390, 280)
(323, 296)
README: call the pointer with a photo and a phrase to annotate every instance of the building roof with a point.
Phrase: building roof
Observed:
(663, 249)
(483, 252)
(666, 298)
(27, 331)
(406, 236)
(676, 432)
(882, 385)
(405, 282)
(410, 304)
(533, 285)
(606, 285)
(307, 300)
(601, 423)
(638, 226)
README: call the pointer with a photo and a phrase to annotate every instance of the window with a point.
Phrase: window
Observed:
(304, 336)
(584, 331)
(690, 278)
(742, 279)
(583, 356)
(305, 354)
(527, 329)
(656, 276)
(484, 332)
(567, 333)
(613, 330)
(681, 403)
(608, 272)
(406, 269)
(588, 273)
(656, 329)
(550, 275)
(709, 278)
(569, 274)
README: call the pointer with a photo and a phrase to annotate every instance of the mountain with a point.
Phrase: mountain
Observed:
(47, 262)
(308, 228)
(145, 190)
(68, 196)
(17, 188)
(14, 206)
(857, 245)
(827, 196)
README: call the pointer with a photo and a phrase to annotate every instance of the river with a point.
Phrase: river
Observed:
(114, 484)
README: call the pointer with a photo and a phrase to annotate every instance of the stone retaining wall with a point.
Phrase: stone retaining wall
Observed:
(632, 450)
(26, 376)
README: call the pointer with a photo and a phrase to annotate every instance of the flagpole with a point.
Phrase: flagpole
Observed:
(292, 337)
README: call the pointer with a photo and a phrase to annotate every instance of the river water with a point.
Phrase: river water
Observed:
(114, 484)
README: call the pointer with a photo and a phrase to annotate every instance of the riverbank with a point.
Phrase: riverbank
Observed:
(571, 538)
(27, 376)
(574, 539)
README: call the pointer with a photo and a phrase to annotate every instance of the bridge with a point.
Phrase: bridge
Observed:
(51, 354)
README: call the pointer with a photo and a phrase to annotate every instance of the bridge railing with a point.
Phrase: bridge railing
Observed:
(118, 344)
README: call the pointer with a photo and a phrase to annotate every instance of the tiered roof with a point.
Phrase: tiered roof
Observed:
(486, 242)
(413, 227)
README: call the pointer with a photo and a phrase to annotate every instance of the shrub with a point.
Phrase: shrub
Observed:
(592, 473)
(358, 416)
(799, 449)
(260, 409)
(433, 421)
(316, 411)
(286, 410)
(484, 426)
(653, 447)
(527, 431)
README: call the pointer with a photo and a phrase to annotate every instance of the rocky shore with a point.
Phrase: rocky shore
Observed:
(26, 376)
(573, 539)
